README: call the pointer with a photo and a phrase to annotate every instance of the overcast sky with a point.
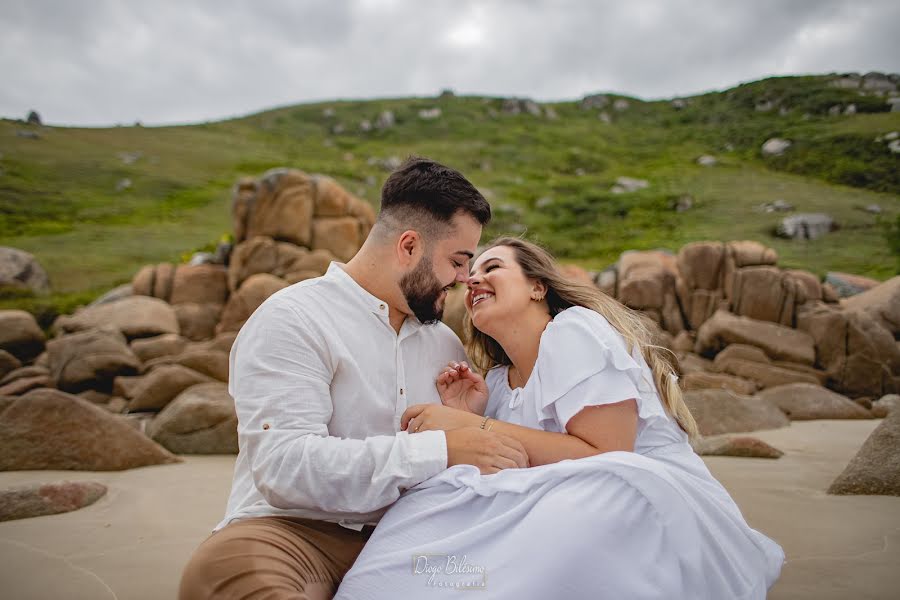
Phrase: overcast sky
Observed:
(100, 62)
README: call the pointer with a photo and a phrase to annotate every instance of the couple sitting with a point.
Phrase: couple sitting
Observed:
(564, 472)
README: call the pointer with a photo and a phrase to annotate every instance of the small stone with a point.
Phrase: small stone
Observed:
(775, 147)
(36, 500)
(742, 446)
(430, 114)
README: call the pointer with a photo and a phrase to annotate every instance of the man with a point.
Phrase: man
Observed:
(321, 375)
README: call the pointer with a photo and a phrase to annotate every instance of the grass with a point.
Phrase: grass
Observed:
(59, 198)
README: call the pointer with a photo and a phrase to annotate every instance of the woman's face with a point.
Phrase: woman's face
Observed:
(497, 288)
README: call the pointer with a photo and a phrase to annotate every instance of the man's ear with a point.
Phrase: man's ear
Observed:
(409, 246)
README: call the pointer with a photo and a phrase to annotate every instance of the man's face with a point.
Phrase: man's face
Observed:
(440, 268)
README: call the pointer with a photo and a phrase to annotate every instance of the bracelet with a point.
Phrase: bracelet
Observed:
(491, 425)
(484, 422)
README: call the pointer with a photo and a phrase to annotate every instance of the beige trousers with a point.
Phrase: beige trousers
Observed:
(272, 558)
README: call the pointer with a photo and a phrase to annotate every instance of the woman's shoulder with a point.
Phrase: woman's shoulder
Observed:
(495, 376)
(578, 322)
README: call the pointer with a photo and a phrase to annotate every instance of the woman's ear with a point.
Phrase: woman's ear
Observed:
(538, 290)
(409, 245)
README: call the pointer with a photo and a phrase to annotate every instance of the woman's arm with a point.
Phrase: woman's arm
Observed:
(593, 430)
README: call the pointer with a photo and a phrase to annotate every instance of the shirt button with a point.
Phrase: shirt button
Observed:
(265, 425)
(401, 391)
(381, 306)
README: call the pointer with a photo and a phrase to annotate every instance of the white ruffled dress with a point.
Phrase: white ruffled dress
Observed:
(652, 523)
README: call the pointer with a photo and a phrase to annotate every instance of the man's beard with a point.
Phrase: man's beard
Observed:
(422, 291)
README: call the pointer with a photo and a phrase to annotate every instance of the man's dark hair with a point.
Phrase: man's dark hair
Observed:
(423, 190)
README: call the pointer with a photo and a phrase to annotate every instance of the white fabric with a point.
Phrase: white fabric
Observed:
(652, 523)
(320, 380)
(582, 361)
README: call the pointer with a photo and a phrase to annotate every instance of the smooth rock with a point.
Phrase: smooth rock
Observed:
(49, 429)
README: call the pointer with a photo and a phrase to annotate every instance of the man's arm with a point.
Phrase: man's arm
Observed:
(280, 380)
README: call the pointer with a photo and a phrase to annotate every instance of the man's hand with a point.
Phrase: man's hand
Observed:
(491, 452)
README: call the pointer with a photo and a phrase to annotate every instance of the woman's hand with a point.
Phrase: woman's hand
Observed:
(431, 417)
(462, 388)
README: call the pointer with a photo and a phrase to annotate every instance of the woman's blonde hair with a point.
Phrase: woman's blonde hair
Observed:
(538, 265)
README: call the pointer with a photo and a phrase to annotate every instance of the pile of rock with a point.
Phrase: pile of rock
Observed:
(763, 326)
(134, 378)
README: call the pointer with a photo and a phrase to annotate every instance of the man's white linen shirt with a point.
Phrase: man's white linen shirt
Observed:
(320, 380)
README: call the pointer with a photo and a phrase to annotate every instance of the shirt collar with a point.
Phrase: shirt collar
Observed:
(376, 305)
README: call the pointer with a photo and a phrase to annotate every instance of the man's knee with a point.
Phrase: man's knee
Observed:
(256, 559)
(199, 575)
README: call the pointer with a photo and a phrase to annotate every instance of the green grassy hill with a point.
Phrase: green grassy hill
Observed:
(551, 176)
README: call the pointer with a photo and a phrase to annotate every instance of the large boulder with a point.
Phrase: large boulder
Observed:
(777, 341)
(718, 381)
(765, 293)
(199, 284)
(166, 344)
(247, 299)
(860, 356)
(25, 384)
(765, 375)
(197, 322)
(721, 411)
(20, 335)
(804, 402)
(646, 281)
(16, 383)
(135, 316)
(701, 274)
(688, 362)
(876, 467)
(707, 273)
(162, 385)
(90, 360)
(154, 280)
(739, 352)
(39, 499)
(747, 253)
(213, 363)
(8, 363)
(885, 404)
(341, 236)
(811, 284)
(280, 205)
(49, 429)
(881, 303)
(201, 420)
(21, 270)
(264, 255)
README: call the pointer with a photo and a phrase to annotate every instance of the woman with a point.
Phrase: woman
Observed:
(571, 374)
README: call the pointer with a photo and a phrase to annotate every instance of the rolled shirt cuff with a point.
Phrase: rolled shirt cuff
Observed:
(428, 454)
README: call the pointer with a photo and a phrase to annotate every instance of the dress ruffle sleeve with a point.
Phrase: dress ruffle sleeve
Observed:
(584, 362)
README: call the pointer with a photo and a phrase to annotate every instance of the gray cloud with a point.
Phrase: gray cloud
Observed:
(98, 62)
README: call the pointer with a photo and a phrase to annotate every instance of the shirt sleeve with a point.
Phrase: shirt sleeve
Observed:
(586, 363)
(280, 381)
(497, 391)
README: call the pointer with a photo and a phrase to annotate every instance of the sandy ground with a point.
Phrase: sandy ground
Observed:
(133, 543)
